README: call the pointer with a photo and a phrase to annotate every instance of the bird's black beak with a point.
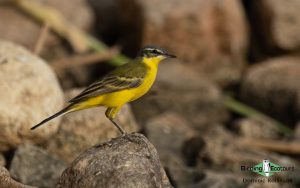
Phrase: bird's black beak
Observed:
(169, 55)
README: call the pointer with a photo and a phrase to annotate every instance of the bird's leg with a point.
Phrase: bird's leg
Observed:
(110, 114)
(123, 132)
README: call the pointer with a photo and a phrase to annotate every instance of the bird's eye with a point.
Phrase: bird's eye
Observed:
(155, 51)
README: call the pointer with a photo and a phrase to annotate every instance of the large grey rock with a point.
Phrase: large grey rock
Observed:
(29, 93)
(128, 161)
(7, 182)
(274, 84)
(182, 90)
(34, 166)
(202, 33)
(86, 128)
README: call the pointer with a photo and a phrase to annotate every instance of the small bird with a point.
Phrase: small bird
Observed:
(124, 84)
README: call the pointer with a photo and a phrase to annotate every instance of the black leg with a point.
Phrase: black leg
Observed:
(123, 132)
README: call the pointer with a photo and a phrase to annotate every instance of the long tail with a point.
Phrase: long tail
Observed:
(60, 113)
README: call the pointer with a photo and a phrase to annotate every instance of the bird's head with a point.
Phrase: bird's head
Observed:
(153, 54)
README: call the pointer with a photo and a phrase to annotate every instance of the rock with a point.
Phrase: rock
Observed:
(257, 127)
(86, 128)
(274, 86)
(202, 33)
(181, 90)
(2, 160)
(215, 179)
(32, 165)
(31, 94)
(7, 182)
(76, 11)
(129, 161)
(276, 24)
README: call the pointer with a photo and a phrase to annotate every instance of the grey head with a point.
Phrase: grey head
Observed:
(154, 51)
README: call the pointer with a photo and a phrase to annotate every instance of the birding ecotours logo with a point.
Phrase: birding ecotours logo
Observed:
(266, 168)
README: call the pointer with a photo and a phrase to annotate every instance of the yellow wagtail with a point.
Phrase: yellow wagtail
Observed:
(124, 84)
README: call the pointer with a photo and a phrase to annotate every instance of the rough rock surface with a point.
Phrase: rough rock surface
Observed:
(34, 166)
(200, 32)
(129, 161)
(7, 182)
(180, 89)
(13, 20)
(276, 23)
(86, 128)
(274, 84)
(31, 94)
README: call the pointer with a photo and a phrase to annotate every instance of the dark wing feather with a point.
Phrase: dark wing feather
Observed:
(130, 75)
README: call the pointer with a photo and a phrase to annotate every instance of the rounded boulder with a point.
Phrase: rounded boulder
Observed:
(29, 93)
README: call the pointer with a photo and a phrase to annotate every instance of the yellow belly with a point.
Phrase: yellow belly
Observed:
(119, 98)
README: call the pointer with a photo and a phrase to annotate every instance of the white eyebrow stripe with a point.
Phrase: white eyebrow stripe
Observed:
(154, 49)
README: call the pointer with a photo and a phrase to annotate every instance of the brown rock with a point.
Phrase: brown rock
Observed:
(201, 32)
(274, 84)
(257, 127)
(32, 165)
(7, 182)
(86, 128)
(129, 161)
(276, 23)
(31, 94)
(180, 89)
(76, 11)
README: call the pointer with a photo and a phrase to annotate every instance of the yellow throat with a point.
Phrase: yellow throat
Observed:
(153, 62)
